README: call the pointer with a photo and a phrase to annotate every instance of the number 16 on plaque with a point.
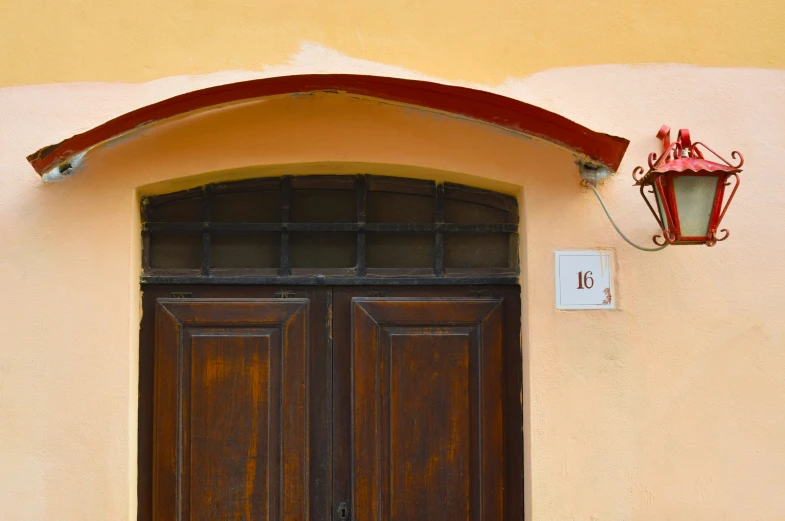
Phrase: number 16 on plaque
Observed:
(584, 279)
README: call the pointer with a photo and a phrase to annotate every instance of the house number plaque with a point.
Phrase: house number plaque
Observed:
(584, 279)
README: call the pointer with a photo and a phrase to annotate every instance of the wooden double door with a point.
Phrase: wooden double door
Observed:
(331, 403)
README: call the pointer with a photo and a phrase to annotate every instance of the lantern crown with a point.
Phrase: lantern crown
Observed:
(689, 189)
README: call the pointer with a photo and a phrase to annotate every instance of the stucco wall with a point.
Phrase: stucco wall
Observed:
(668, 408)
(49, 41)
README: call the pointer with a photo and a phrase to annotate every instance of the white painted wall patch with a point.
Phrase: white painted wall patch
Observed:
(584, 279)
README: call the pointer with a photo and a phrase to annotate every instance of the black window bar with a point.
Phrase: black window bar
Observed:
(361, 229)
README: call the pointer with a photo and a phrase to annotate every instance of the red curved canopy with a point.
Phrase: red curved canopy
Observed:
(476, 104)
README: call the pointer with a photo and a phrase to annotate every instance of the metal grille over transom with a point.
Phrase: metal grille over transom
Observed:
(330, 230)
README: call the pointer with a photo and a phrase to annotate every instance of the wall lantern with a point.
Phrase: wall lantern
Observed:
(688, 189)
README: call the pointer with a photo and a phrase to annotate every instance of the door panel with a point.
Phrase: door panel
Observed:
(230, 418)
(427, 409)
(234, 420)
(430, 413)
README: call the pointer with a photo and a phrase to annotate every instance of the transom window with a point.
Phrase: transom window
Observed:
(330, 230)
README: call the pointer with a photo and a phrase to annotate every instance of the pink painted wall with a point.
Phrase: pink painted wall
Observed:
(668, 408)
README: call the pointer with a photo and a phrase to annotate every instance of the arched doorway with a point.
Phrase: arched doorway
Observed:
(330, 347)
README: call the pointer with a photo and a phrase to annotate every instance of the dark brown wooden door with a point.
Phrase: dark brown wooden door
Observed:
(363, 403)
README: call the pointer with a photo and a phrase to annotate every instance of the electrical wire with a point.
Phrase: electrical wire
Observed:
(642, 248)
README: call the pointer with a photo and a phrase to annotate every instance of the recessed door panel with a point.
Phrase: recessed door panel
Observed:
(429, 414)
(235, 384)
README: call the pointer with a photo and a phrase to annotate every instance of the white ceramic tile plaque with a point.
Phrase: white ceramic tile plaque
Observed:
(584, 279)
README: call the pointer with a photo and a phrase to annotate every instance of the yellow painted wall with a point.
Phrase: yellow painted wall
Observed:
(50, 41)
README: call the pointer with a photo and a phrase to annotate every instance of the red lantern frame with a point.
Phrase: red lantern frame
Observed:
(685, 159)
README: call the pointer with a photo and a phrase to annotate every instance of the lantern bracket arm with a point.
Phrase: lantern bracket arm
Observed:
(618, 230)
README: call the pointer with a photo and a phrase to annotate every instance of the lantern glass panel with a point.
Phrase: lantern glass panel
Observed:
(695, 197)
(661, 209)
